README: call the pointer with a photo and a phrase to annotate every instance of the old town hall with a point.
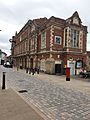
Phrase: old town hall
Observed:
(51, 45)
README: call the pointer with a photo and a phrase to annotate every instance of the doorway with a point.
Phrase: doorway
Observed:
(71, 64)
(57, 68)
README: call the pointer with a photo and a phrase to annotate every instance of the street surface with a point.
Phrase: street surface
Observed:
(57, 98)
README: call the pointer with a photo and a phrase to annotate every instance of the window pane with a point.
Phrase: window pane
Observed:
(74, 38)
(58, 40)
(65, 37)
(71, 40)
(43, 40)
(77, 38)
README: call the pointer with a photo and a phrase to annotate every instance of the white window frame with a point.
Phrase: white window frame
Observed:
(32, 43)
(74, 41)
(43, 40)
(59, 38)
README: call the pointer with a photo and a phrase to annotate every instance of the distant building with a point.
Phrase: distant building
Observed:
(51, 45)
(88, 61)
(2, 57)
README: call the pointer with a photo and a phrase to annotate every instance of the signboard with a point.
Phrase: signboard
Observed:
(78, 64)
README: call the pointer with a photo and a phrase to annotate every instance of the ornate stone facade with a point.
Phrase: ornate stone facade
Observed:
(62, 42)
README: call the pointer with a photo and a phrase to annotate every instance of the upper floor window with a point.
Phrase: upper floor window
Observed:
(32, 44)
(74, 39)
(58, 40)
(65, 37)
(71, 40)
(43, 40)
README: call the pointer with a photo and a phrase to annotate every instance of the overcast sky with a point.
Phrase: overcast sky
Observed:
(15, 13)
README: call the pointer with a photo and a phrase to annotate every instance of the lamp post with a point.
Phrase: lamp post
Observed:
(12, 41)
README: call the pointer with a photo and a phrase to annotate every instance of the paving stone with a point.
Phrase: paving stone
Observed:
(57, 101)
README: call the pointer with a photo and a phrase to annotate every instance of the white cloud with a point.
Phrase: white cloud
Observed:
(15, 13)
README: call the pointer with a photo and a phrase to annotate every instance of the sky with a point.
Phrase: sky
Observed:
(15, 13)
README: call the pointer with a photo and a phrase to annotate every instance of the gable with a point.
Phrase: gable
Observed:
(74, 19)
(32, 28)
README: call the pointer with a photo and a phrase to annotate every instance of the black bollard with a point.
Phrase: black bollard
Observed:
(29, 70)
(3, 82)
(32, 71)
(17, 68)
(26, 70)
(38, 71)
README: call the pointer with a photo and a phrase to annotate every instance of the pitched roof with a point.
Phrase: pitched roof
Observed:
(40, 21)
(56, 19)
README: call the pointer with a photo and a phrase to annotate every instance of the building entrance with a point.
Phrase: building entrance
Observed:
(71, 64)
(57, 68)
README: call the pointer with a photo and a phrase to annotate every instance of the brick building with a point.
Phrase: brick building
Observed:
(51, 45)
(3, 56)
(88, 61)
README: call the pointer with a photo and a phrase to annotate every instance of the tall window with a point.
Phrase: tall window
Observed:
(74, 39)
(35, 43)
(32, 44)
(65, 37)
(71, 40)
(77, 38)
(25, 46)
(43, 40)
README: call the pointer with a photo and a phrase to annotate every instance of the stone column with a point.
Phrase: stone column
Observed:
(51, 39)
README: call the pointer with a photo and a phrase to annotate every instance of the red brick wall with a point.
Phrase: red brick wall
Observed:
(74, 56)
(55, 56)
(58, 32)
(24, 34)
(84, 41)
(43, 56)
(47, 41)
(75, 49)
(39, 43)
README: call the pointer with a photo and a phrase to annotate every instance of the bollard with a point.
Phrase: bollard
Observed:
(17, 68)
(29, 70)
(3, 82)
(38, 71)
(32, 71)
(26, 70)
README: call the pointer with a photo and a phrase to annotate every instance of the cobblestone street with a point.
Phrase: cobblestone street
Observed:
(57, 98)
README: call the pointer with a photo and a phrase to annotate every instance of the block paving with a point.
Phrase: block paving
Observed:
(57, 98)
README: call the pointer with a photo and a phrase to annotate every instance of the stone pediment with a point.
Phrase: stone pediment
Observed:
(74, 19)
(32, 28)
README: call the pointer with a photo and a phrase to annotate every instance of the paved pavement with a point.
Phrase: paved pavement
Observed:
(57, 98)
(13, 107)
